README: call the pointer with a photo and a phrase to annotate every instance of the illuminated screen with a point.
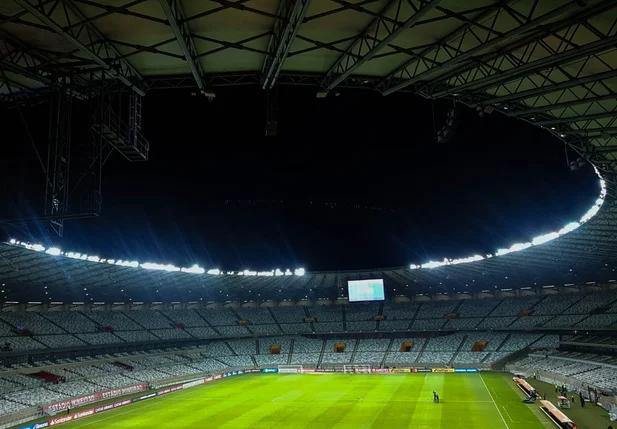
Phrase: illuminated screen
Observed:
(365, 290)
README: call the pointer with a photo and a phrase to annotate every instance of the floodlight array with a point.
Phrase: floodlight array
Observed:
(536, 241)
(195, 269)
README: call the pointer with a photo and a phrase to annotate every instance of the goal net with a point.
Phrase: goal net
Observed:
(291, 369)
(357, 369)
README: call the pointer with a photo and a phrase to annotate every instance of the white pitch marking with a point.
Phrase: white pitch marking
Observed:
(494, 403)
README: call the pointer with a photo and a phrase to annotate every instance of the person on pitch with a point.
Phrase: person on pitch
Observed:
(435, 397)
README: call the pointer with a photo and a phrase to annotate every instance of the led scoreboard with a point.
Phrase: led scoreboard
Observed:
(365, 290)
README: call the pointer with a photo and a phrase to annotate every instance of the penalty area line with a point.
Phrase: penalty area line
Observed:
(494, 403)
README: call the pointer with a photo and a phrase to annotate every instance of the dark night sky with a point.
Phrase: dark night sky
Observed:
(217, 193)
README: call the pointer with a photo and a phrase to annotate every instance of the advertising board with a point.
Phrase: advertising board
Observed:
(400, 370)
(95, 397)
(465, 369)
(443, 370)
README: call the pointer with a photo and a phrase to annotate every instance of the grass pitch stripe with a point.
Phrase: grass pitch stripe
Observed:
(494, 403)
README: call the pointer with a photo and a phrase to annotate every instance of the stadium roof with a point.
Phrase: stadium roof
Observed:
(550, 62)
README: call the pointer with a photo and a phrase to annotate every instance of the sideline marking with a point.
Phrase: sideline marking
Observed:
(494, 403)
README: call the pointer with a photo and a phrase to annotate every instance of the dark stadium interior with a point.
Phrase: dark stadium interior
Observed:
(358, 174)
(413, 199)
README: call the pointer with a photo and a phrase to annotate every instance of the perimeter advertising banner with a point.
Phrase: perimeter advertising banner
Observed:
(465, 369)
(423, 370)
(443, 370)
(400, 370)
(270, 370)
(36, 426)
(95, 397)
(380, 370)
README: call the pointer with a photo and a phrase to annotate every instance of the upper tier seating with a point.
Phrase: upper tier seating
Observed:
(31, 321)
(436, 309)
(189, 318)
(99, 338)
(361, 312)
(296, 328)
(219, 317)
(394, 325)
(556, 304)
(513, 306)
(116, 320)
(60, 341)
(202, 332)
(366, 326)
(149, 319)
(591, 302)
(329, 313)
(289, 314)
(233, 331)
(256, 316)
(477, 307)
(71, 321)
(265, 329)
(400, 311)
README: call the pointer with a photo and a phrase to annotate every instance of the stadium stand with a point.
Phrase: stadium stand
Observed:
(188, 318)
(219, 317)
(361, 312)
(400, 311)
(30, 321)
(288, 314)
(327, 313)
(513, 306)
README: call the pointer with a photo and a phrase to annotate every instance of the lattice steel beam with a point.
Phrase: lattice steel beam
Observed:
(369, 44)
(457, 56)
(516, 55)
(580, 118)
(283, 36)
(550, 88)
(558, 106)
(175, 16)
(88, 40)
(533, 67)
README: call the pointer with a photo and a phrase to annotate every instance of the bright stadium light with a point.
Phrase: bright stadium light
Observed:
(536, 241)
(299, 272)
(541, 239)
(195, 269)
(53, 251)
(214, 272)
(13, 241)
(569, 228)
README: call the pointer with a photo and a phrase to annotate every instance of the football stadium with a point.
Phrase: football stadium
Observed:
(517, 335)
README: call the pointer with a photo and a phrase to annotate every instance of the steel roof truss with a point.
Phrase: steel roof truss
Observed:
(88, 39)
(466, 33)
(367, 45)
(175, 16)
(283, 35)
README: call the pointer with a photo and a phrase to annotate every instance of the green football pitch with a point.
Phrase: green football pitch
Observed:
(482, 401)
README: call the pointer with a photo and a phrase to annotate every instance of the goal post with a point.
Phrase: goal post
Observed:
(291, 369)
(366, 369)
